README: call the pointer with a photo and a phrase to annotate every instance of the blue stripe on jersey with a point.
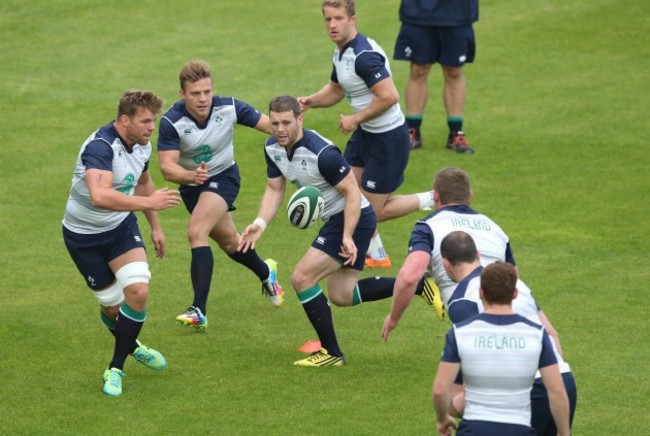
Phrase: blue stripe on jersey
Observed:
(369, 64)
(459, 308)
(333, 166)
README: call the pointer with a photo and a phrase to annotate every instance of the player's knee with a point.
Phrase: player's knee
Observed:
(301, 281)
(196, 235)
(420, 72)
(111, 296)
(134, 273)
(340, 300)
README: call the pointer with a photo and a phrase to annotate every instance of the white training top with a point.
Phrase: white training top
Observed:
(358, 66)
(492, 242)
(314, 161)
(465, 302)
(104, 150)
(499, 356)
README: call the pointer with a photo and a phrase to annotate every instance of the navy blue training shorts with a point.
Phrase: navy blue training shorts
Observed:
(225, 185)
(330, 237)
(383, 156)
(448, 46)
(92, 252)
(482, 428)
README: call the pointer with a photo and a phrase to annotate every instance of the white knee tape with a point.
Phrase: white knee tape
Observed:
(135, 272)
(111, 296)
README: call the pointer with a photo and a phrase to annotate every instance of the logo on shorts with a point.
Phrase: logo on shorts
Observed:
(408, 52)
(214, 185)
(320, 240)
(341, 170)
(91, 281)
(371, 184)
(137, 238)
(377, 75)
(462, 59)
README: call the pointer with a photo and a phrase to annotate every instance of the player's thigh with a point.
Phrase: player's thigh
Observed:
(417, 44)
(311, 269)
(386, 157)
(378, 201)
(458, 46)
(209, 210)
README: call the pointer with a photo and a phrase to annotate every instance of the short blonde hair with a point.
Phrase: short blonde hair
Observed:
(193, 71)
(349, 6)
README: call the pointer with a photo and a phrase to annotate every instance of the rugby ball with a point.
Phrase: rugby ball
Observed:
(305, 207)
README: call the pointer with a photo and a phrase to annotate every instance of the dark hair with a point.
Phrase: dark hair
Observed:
(498, 281)
(458, 247)
(134, 99)
(452, 185)
(284, 103)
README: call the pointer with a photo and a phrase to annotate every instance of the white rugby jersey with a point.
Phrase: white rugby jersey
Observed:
(210, 142)
(499, 356)
(492, 242)
(103, 150)
(357, 68)
(465, 302)
(314, 161)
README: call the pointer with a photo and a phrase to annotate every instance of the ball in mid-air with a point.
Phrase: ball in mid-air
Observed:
(305, 207)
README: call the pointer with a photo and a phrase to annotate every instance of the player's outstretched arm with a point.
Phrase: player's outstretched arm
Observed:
(409, 275)
(271, 202)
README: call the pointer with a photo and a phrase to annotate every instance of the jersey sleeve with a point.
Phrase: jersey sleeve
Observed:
(450, 352)
(547, 357)
(334, 77)
(332, 165)
(510, 257)
(98, 155)
(168, 138)
(247, 115)
(272, 170)
(421, 238)
(371, 67)
(461, 310)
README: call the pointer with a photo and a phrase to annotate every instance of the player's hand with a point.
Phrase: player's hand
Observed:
(158, 239)
(389, 326)
(304, 103)
(348, 250)
(444, 428)
(200, 174)
(248, 238)
(347, 123)
(458, 403)
(164, 198)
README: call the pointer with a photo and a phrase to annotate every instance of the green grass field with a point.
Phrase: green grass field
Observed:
(555, 109)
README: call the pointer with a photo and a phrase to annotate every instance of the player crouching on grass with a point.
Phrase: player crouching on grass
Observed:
(305, 158)
(111, 180)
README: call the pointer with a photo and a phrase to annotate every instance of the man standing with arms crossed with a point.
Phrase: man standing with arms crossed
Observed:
(379, 148)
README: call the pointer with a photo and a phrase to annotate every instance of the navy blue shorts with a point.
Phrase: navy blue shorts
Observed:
(448, 46)
(542, 419)
(225, 185)
(330, 237)
(383, 156)
(91, 253)
(482, 428)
